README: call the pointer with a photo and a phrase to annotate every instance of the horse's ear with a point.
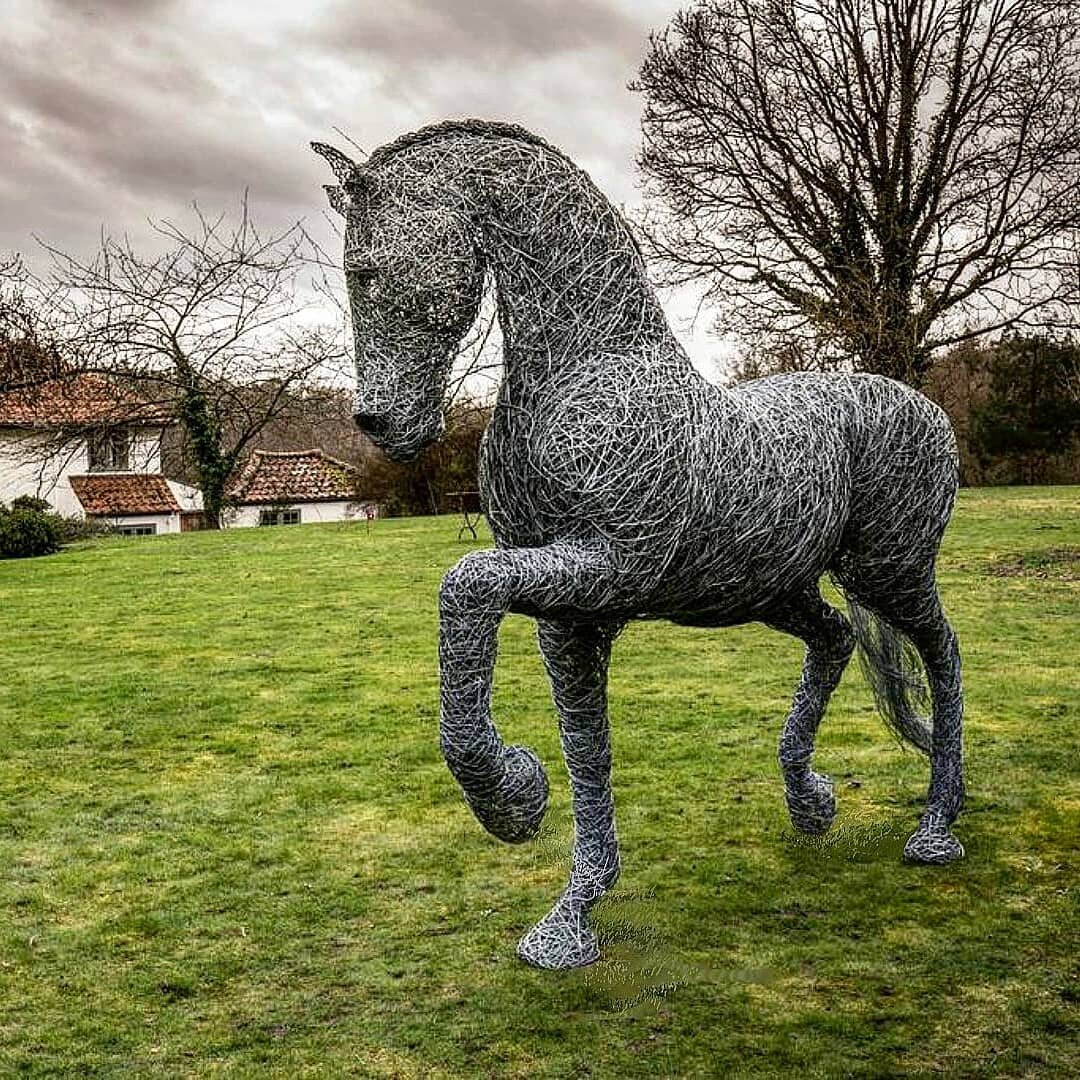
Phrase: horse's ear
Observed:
(338, 199)
(344, 168)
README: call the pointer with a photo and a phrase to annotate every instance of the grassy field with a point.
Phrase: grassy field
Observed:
(229, 846)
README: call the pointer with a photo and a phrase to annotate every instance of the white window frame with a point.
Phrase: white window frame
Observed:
(280, 515)
(109, 450)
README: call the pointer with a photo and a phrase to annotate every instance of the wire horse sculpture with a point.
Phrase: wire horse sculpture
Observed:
(620, 485)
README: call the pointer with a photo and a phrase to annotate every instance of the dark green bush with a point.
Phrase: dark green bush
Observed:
(25, 533)
(75, 528)
(31, 502)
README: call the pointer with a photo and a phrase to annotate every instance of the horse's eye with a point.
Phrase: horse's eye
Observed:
(361, 278)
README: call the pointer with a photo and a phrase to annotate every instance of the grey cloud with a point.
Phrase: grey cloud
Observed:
(560, 68)
(118, 118)
(109, 10)
(115, 111)
(112, 112)
(421, 32)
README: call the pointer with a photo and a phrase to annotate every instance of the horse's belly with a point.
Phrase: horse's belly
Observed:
(741, 584)
(731, 511)
(760, 534)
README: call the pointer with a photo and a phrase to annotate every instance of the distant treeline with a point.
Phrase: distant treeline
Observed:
(1015, 403)
(1015, 406)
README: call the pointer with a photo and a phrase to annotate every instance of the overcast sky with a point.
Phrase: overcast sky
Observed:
(114, 111)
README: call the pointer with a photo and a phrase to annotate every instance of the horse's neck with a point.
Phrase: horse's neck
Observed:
(570, 282)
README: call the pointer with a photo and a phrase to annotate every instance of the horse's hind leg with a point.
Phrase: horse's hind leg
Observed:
(932, 842)
(925, 626)
(829, 644)
(909, 603)
(576, 655)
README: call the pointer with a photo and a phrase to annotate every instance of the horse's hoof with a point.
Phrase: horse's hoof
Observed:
(514, 810)
(812, 807)
(933, 846)
(561, 940)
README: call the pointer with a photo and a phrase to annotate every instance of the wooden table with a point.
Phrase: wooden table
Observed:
(467, 504)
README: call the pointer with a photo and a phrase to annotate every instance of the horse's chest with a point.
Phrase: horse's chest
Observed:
(553, 473)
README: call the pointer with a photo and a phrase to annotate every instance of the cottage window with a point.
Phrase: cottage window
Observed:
(109, 451)
(279, 517)
(137, 530)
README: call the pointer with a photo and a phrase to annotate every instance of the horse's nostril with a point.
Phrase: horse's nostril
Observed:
(373, 424)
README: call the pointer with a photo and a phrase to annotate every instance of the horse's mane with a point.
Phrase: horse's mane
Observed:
(445, 128)
(493, 129)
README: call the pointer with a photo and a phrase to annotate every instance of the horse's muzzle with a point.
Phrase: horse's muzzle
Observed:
(374, 425)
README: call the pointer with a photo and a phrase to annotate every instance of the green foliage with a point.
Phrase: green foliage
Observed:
(30, 528)
(1032, 410)
(30, 502)
(449, 465)
(82, 528)
(230, 847)
(27, 532)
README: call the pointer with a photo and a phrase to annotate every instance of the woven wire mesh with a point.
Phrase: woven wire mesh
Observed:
(619, 484)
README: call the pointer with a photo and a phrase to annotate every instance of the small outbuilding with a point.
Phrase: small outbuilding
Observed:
(136, 504)
(294, 488)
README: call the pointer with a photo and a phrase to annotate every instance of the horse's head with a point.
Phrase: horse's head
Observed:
(414, 276)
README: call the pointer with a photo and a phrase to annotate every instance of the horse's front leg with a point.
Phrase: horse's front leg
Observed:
(829, 645)
(576, 655)
(505, 786)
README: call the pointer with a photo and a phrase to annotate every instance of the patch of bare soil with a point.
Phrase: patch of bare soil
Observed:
(1061, 564)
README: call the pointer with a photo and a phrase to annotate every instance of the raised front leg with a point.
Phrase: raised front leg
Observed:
(505, 786)
(576, 655)
(829, 644)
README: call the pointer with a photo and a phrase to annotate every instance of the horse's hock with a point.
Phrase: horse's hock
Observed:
(619, 485)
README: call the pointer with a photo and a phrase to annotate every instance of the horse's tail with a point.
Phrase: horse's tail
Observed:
(893, 670)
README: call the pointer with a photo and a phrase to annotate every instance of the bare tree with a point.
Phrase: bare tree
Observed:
(883, 176)
(29, 355)
(221, 329)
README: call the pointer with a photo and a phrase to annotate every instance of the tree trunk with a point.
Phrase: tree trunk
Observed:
(888, 338)
(204, 431)
(213, 501)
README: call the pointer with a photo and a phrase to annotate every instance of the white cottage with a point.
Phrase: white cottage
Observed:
(295, 488)
(91, 449)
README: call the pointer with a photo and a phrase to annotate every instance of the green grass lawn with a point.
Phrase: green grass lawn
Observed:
(229, 845)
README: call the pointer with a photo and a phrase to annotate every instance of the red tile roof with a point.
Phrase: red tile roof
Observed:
(306, 476)
(76, 400)
(110, 494)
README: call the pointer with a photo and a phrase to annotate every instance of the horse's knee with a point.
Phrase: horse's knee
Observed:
(470, 585)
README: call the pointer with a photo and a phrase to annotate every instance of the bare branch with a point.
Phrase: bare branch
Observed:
(886, 176)
(221, 328)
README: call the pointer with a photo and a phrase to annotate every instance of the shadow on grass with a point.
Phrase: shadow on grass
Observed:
(640, 969)
(856, 840)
